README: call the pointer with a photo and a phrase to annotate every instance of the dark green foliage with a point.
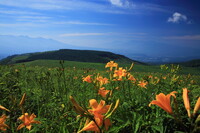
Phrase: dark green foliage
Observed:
(70, 55)
(192, 63)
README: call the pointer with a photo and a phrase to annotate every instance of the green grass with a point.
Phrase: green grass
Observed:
(23, 57)
(101, 66)
(48, 85)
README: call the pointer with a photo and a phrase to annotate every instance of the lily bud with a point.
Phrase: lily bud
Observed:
(3, 108)
(22, 100)
(77, 107)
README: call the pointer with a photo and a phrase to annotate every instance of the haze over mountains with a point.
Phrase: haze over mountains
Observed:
(11, 45)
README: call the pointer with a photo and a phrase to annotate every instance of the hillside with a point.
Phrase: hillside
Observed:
(191, 63)
(69, 55)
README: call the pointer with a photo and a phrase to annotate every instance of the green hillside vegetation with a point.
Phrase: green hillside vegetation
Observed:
(192, 63)
(69, 55)
(92, 60)
(101, 66)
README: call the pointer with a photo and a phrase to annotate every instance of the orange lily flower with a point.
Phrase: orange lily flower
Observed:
(103, 92)
(197, 106)
(131, 78)
(163, 101)
(102, 80)
(111, 64)
(120, 73)
(92, 126)
(100, 108)
(27, 121)
(3, 126)
(186, 101)
(97, 111)
(87, 79)
(143, 84)
(150, 76)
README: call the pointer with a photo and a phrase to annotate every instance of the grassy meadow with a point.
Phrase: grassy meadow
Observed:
(70, 97)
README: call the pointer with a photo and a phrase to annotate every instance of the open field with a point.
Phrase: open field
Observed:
(64, 97)
(101, 66)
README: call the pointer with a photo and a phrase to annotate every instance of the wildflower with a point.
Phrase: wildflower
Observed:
(120, 73)
(143, 84)
(75, 77)
(3, 126)
(102, 80)
(131, 78)
(27, 121)
(186, 101)
(117, 88)
(100, 108)
(88, 79)
(92, 125)
(111, 64)
(97, 111)
(163, 101)
(103, 92)
(150, 76)
(197, 106)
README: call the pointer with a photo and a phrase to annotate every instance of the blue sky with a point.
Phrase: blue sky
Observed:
(151, 27)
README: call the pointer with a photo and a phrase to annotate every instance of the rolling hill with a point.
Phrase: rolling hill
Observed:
(69, 55)
(191, 63)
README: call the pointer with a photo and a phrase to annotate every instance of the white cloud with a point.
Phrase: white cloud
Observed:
(119, 6)
(177, 17)
(116, 34)
(116, 2)
(33, 18)
(15, 12)
(83, 34)
(82, 23)
(22, 25)
(185, 37)
(121, 3)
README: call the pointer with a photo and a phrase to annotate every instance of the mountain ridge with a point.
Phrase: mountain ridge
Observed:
(70, 55)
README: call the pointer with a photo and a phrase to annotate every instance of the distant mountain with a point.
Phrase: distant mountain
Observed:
(69, 55)
(161, 59)
(10, 45)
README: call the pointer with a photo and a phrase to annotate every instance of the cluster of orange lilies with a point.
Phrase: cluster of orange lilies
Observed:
(97, 116)
(27, 120)
(116, 74)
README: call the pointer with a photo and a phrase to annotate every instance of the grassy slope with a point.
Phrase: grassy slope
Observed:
(192, 63)
(69, 55)
(101, 66)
